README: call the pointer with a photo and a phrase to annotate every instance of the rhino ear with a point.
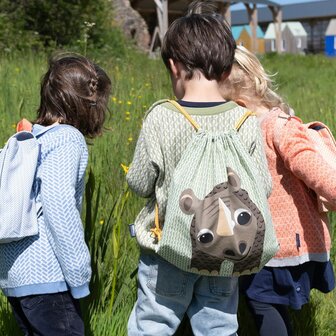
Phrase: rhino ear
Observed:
(233, 179)
(188, 202)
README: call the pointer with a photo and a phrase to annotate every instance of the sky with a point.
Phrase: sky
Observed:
(280, 2)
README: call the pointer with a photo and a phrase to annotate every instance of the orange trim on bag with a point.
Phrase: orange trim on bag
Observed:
(24, 125)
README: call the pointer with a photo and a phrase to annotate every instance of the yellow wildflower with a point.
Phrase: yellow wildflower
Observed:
(125, 168)
(101, 222)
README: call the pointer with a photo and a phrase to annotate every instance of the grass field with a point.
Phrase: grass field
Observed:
(307, 82)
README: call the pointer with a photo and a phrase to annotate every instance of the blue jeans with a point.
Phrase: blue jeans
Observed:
(48, 314)
(166, 293)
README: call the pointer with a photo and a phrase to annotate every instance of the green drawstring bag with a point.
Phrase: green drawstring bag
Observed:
(217, 218)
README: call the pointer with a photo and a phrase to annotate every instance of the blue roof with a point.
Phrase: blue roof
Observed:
(237, 30)
(260, 33)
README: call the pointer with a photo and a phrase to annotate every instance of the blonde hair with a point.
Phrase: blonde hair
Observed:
(249, 81)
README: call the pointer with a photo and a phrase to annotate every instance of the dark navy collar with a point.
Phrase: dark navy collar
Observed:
(199, 104)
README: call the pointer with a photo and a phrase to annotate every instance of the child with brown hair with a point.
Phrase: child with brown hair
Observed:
(299, 173)
(198, 51)
(44, 275)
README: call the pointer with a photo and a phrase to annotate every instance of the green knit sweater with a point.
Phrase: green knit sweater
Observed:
(164, 136)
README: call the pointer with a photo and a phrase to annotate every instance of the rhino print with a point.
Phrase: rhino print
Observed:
(226, 225)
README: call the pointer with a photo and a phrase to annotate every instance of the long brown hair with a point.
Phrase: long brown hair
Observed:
(74, 91)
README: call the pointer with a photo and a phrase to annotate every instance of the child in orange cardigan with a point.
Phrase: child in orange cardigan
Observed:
(298, 174)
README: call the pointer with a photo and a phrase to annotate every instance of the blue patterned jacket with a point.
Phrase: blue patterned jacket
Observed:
(57, 259)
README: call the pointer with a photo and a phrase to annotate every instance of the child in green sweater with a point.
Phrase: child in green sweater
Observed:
(198, 51)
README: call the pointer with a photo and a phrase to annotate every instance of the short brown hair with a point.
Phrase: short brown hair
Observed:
(200, 41)
(74, 91)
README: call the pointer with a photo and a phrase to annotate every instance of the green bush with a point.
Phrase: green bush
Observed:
(33, 24)
(13, 34)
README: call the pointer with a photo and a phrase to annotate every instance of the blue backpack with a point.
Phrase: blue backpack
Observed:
(18, 208)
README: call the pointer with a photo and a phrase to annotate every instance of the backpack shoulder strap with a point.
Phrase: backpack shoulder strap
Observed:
(185, 114)
(193, 123)
(239, 123)
(243, 118)
(280, 122)
(179, 108)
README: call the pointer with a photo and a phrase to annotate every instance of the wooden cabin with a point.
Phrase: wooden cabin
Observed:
(243, 36)
(294, 38)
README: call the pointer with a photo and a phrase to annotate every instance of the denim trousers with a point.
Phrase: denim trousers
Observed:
(166, 294)
(55, 314)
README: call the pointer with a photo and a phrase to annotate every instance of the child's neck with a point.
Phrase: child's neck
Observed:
(202, 90)
(260, 110)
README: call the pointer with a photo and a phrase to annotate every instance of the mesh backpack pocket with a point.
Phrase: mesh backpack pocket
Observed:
(217, 219)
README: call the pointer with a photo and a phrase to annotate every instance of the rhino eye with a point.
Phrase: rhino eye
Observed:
(205, 236)
(242, 216)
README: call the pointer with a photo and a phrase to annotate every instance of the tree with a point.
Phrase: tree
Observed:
(53, 22)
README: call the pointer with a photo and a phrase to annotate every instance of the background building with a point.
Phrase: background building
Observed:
(243, 36)
(330, 39)
(294, 38)
(314, 16)
(158, 14)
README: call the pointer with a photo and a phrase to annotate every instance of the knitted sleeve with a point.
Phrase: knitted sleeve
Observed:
(59, 188)
(302, 159)
(147, 161)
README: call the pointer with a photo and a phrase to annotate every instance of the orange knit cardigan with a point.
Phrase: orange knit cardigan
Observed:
(297, 170)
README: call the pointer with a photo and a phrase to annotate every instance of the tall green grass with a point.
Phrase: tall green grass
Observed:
(306, 82)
